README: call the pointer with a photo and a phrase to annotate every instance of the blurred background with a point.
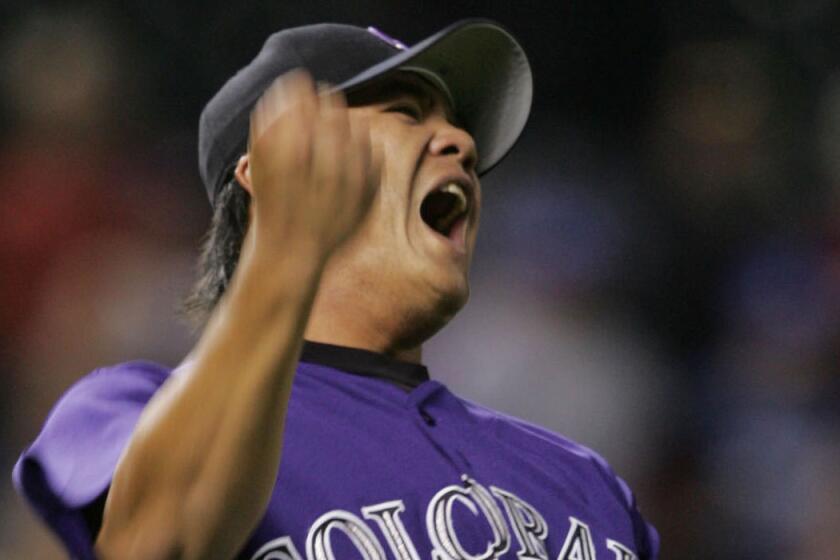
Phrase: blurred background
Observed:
(658, 274)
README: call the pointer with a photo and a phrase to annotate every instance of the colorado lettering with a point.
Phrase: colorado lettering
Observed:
(443, 533)
(528, 525)
(504, 518)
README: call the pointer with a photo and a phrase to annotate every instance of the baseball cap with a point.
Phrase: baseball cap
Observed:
(477, 63)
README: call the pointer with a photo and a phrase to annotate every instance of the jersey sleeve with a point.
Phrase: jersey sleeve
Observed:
(69, 466)
(645, 534)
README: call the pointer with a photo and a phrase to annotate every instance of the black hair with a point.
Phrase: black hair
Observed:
(219, 253)
(223, 240)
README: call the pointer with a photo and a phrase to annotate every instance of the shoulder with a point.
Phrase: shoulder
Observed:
(551, 448)
(105, 390)
(87, 425)
(126, 377)
(68, 467)
(561, 453)
(510, 427)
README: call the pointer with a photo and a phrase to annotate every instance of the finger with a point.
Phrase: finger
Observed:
(291, 93)
(373, 155)
(300, 89)
(331, 96)
(299, 121)
(364, 161)
(374, 169)
(327, 163)
(333, 110)
(269, 104)
(334, 114)
(332, 138)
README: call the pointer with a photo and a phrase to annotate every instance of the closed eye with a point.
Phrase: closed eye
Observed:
(408, 109)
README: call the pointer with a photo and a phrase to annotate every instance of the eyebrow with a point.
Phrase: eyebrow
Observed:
(400, 86)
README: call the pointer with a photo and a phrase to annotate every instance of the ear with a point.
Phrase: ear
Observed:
(243, 174)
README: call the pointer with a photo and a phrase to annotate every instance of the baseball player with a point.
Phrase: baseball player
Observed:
(343, 170)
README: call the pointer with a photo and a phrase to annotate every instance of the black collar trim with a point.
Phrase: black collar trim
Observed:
(364, 362)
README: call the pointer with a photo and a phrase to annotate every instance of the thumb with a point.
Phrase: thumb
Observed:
(374, 174)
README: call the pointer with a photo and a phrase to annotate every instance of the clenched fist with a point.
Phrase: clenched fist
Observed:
(312, 169)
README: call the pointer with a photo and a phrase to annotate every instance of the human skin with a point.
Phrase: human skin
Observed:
(335, 198)
(395, 283)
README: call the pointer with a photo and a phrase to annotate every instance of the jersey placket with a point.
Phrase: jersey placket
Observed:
(436, 415)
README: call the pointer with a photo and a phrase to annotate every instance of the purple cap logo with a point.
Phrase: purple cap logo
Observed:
(387, 38)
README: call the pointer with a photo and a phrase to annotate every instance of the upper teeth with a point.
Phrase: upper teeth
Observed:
(458, 191)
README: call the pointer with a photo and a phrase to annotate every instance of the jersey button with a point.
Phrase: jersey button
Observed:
(427, 418)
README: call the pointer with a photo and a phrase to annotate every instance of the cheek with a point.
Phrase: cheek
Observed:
(401, 146)
(401, 154)
(385, 219)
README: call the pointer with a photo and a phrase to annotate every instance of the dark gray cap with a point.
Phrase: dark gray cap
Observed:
(476, 62)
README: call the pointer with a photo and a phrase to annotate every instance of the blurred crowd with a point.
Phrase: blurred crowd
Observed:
(657, 277)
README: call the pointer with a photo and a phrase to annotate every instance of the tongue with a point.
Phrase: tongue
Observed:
(458, 231)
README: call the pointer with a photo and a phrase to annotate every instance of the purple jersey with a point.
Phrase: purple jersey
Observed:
(369, 470)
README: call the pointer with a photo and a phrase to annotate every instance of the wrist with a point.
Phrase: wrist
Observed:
(292, 272)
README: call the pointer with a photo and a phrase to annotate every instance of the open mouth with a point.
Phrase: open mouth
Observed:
(444, 208)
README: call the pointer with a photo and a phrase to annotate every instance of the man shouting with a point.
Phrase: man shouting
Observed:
(343, 169)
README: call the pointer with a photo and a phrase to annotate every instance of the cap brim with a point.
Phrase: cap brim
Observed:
(487, 76)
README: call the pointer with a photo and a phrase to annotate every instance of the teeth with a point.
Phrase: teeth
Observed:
(445, 222)
(458, 191)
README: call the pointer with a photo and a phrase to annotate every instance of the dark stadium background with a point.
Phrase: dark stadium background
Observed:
(658, 273)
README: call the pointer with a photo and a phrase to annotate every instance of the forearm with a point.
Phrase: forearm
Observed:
(200, 467)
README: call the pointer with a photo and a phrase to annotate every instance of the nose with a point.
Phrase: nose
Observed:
(451, 141)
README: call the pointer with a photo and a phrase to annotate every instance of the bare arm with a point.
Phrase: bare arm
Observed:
(198, 471)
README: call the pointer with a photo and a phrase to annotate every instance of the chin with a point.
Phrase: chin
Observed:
(423, 322)
(451, 301)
